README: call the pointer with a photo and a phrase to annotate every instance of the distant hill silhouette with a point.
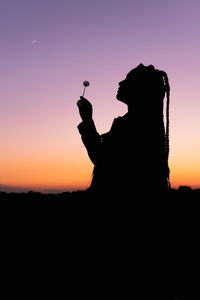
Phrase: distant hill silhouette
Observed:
(181, 193)
(13, 189)
(31, 195)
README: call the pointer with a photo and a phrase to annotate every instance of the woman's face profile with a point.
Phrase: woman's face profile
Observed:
(126, 90)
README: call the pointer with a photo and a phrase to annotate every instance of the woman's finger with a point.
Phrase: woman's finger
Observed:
(84, 100)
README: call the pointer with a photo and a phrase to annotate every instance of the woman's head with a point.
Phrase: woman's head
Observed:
(143, 85)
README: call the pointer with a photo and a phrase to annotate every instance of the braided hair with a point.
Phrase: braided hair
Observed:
(167, 90)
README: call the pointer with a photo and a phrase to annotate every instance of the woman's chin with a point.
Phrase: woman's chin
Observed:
(118, 97)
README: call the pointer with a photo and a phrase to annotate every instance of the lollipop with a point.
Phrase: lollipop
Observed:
(85, 83)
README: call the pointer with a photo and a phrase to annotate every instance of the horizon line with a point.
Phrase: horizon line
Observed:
(54, 190)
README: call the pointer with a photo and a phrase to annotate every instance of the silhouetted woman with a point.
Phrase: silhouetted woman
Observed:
(133, 155)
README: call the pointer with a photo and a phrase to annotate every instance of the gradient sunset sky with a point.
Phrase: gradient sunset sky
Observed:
(49, 47)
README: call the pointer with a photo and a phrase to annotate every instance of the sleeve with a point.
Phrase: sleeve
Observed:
(91, 139)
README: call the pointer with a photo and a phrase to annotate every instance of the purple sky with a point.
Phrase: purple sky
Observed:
(49, 47)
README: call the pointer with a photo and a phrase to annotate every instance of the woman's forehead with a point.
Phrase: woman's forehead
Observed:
(132, 74)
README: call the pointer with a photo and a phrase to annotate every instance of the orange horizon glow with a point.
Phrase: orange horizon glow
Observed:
(65, 167)
(39, 175)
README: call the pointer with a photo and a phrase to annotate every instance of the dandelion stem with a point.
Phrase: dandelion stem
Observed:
(84, 91)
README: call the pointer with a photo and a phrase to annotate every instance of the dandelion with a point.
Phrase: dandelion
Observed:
(85, 83)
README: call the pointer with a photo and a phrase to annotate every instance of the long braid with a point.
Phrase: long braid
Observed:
(167, 87)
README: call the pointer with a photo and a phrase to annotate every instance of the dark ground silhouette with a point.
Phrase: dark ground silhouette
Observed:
(148, 245)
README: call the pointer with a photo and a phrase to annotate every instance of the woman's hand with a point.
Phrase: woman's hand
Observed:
(85, 109)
